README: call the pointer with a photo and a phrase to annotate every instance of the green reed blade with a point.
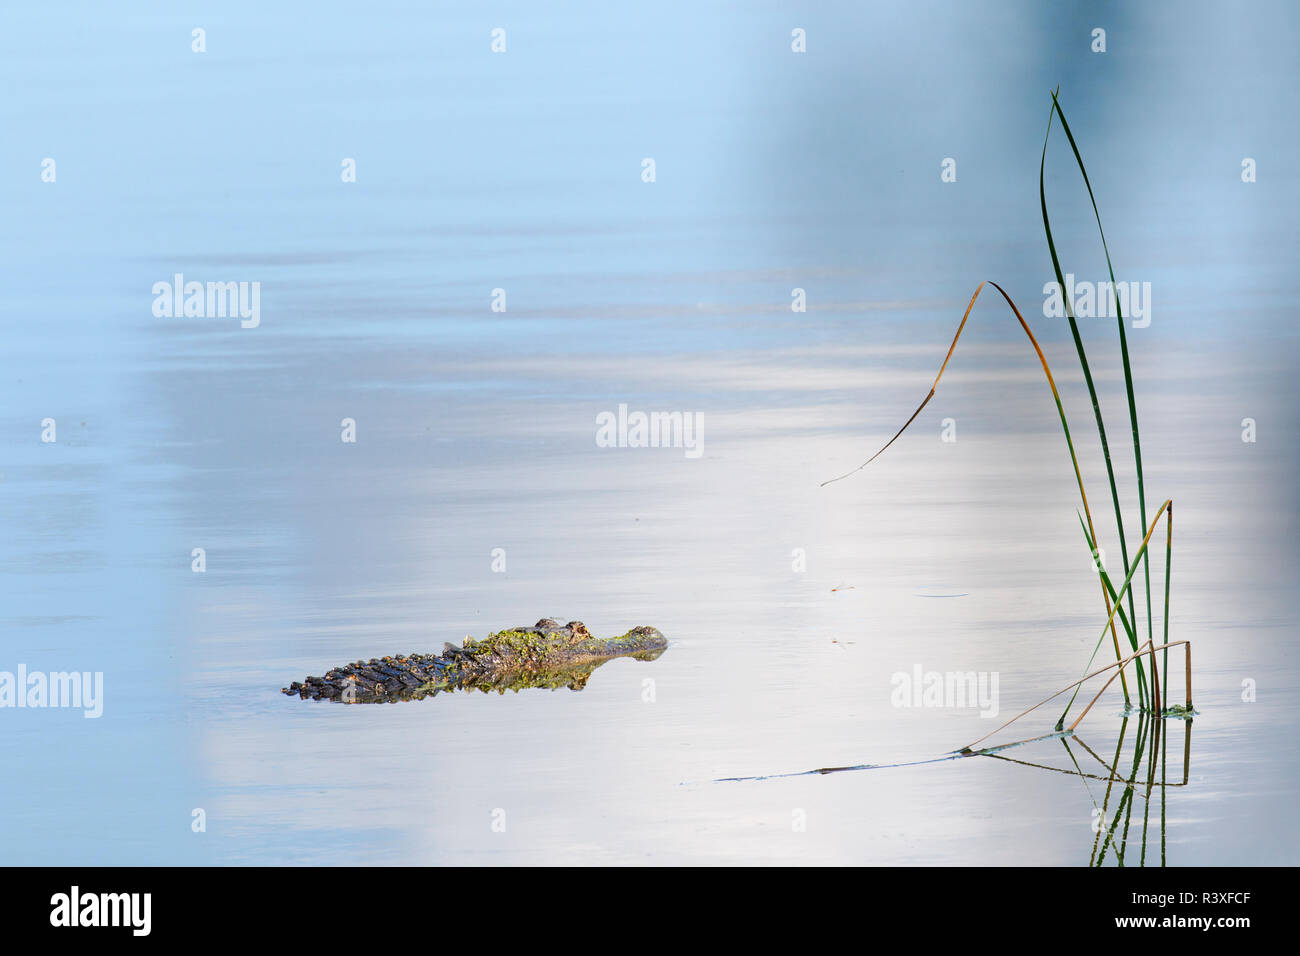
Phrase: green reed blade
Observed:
(1083, 359)
(1123, 351)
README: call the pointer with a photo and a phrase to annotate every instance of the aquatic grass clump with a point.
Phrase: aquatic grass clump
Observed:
(1148, 685)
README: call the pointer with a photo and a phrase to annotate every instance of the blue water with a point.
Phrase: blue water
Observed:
(522, 171)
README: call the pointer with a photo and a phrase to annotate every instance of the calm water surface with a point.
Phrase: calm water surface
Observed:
(475, 430)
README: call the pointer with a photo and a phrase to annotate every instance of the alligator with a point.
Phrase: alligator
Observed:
(544, 655)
